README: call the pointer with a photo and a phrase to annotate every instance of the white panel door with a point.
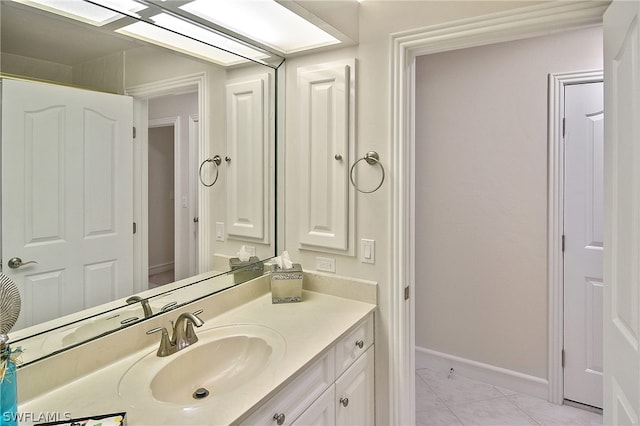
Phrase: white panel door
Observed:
(66, 197)
(621, 308)
(583, 230)
(247, 146)
(324, 133)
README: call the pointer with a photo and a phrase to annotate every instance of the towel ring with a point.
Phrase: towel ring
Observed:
(216, 160)
(372, 158)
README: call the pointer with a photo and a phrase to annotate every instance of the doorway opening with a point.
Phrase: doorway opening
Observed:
(178, 103)
(161, 203)
(480, 202)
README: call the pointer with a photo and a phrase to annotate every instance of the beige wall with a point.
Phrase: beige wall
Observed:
(481, 197)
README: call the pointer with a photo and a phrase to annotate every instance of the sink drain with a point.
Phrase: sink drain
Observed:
(200, 393)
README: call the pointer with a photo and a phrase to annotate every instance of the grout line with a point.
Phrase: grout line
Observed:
(525, 412)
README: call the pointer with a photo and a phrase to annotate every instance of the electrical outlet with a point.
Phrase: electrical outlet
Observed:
(219, 231)
(368, 252)
(326, 264)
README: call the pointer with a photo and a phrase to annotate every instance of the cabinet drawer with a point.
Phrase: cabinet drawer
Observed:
(354, 344)
(298, 395)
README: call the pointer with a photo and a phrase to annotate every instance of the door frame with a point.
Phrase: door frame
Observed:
(555, 223)
(405, 47)
(142, 93)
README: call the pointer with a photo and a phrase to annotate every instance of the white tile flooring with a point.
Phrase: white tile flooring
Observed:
(460, 401)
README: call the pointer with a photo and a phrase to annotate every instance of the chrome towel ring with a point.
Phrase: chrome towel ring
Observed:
(216, 160)
(372, 158)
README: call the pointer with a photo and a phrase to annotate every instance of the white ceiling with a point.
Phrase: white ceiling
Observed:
(35, 34)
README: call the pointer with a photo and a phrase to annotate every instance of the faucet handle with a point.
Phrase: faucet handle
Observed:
(166, 347)
(190, 333)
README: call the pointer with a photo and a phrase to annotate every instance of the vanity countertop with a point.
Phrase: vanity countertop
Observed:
(309, 328)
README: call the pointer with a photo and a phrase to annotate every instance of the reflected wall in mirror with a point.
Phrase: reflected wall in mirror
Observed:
(103, 213)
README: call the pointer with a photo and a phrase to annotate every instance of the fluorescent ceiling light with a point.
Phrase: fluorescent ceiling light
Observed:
(161, 36)
(263, 20)
(87, 12)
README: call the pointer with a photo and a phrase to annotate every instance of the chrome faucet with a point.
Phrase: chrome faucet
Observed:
(183, 333)
(145, 305)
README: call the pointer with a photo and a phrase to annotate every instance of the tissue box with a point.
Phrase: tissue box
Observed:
(247, 270)
(286, 284)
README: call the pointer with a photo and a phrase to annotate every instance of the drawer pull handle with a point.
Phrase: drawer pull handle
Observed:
(279, 418)
(344, 401)
(360, 344)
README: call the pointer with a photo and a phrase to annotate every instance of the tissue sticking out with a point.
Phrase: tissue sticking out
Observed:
(283, 261)
(243, 254)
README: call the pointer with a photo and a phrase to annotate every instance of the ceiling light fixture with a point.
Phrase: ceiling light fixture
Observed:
(87, 12)
(266, 21)
(185, 37)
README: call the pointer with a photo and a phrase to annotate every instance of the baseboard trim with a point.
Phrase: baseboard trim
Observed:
(497, 376)
(163, 267)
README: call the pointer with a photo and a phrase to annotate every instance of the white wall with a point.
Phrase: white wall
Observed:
(481, 197)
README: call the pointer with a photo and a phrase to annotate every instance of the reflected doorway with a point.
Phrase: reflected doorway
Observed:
(161, 206)
(173, 193)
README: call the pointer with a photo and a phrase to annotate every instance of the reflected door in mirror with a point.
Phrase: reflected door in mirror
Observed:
(67, 203)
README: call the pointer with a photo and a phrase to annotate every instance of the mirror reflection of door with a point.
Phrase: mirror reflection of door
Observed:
(172, 190)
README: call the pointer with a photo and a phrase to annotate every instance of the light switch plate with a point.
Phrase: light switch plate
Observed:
(219, 231)
(368, 251)
(326, 264)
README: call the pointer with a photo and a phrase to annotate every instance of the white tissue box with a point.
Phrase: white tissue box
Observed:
(286, 284)
(244, 271)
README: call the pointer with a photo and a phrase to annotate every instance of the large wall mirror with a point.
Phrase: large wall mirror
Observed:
(102, 228)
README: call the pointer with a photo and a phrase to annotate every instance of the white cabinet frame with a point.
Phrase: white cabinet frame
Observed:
(326, 105)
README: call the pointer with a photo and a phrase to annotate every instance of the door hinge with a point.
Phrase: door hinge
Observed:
(564, 126)
(563, 358)
(563, 243)
(134, 132)
(135, 227)
(406, 293)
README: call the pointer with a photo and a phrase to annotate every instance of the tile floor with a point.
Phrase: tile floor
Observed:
(460, 401)
(161, 278)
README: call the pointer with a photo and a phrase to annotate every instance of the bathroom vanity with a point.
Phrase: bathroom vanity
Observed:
(255, 363)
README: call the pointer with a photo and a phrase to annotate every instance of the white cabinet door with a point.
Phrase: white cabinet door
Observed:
(247, 152)
(621, 309)
(321, 413)
(326, 130)
(354, 393)
(67, 197)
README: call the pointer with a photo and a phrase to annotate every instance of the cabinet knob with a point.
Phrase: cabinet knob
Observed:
(360, 344)
(279, 418)
(344, 401)
(338, 157)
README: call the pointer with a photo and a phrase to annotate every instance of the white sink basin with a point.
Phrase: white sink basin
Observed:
(223, 359)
